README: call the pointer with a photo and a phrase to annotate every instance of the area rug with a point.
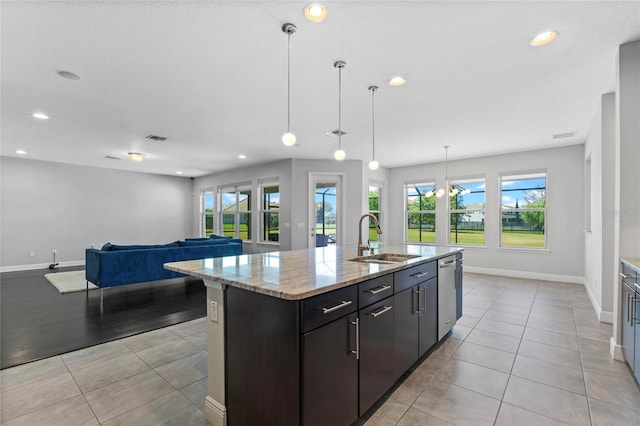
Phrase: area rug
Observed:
(68, 282)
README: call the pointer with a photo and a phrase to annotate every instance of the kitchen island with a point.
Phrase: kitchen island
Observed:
(317, 336)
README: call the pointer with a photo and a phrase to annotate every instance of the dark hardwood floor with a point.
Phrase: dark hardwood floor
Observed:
(36, 321)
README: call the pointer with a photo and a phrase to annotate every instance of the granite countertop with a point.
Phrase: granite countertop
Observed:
(299, 274)
(634, 263)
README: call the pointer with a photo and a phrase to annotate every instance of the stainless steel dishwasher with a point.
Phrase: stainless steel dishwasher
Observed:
(446, 295)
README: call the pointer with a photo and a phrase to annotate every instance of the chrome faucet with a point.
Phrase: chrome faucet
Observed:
(362, 247)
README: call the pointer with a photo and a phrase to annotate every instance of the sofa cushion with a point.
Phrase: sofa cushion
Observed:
(203, 242)
(116, 247)
(219, 237)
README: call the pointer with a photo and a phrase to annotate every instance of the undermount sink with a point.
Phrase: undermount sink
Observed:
(384, 258)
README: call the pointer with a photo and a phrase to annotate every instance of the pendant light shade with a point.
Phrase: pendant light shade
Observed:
(373, 164)
(289, 139)
(339, 154)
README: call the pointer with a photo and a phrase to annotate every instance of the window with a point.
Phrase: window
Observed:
(374, 208)
(270, 211)
(206, 212)
(421, 212)
(524, 210)
(235, 211)
(466, 211)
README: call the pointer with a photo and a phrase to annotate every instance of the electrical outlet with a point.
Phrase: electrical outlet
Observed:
(214, 311)
(32, 253)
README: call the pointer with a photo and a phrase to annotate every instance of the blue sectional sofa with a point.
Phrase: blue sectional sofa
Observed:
(115, 265)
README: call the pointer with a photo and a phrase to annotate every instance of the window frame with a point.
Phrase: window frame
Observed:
(377, 213)
(460, 181)
(236, 189)
(519, 175)
(421, 183)
(203, 213)
(262, 211)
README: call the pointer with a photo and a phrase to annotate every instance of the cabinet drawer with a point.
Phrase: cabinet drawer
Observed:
(373, 290)
(414, 275)
(321, 309)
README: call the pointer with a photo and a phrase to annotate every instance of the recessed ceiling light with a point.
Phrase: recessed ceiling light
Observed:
(242, 156)
(315, 12)
(41, 116)
(21, 152)
(543, 38)
(178, 172)
(68, 75)
(136, 156)
(397, 81)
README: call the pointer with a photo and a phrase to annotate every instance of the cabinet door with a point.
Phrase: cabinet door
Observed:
(446, 295)
(406, 336)
(429, 315)
(627, 325)
(458, 288)
(377, 351)
(635, 320)
(330, 374)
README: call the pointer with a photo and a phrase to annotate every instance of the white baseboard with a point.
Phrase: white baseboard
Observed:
(615, 350)
(525, 274)
(33, 266)
(603, 316)
(215, 413)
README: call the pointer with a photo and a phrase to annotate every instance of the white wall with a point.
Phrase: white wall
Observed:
(293, 176)
(599, 260)
(564, 257)
(47, 206)
(280, 170)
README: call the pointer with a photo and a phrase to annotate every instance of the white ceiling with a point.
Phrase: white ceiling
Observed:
(211, 77)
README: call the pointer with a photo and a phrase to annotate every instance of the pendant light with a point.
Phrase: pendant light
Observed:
(339, 154)
(289, 139)
(373, 164)
(441, 191)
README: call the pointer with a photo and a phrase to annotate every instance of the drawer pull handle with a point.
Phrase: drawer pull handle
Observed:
(356, 352)
(342, 304)
(624, 277)
(445, 264)
(419, 274)
(381, 311)
(379, 289)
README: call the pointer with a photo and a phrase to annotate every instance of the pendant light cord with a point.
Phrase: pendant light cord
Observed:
(373, 123)
(340, 108)
(288, 82)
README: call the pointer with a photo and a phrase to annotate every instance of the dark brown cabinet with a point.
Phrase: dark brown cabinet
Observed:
(416, 328)
(377, 351)
(327, 359)
(458, 286)
(330, 373)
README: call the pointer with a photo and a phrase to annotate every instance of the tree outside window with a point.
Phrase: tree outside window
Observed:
(421, 212)
(236, 212)
(270, 212)
(523, 210)
(466, 211)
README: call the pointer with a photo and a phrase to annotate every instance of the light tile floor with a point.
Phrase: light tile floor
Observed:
(525, 352)
(154, 378)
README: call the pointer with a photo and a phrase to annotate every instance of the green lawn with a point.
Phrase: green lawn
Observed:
(230, 231)
(522, 239)
(473, 237)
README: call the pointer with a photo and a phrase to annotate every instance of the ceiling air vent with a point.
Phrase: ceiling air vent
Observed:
(563, 135)
(156, 138)
(111, 157)
(336, 133)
